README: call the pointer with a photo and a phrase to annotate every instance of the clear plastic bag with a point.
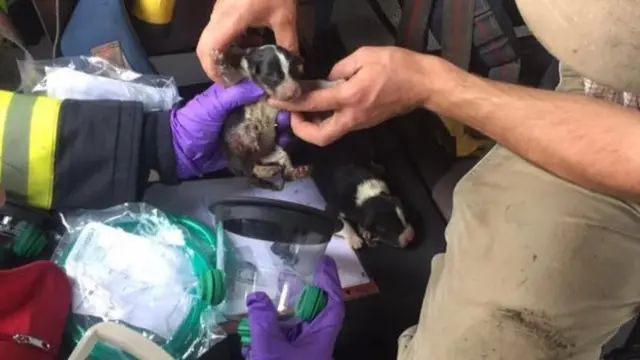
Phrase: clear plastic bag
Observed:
(93, 78)
(134, 265)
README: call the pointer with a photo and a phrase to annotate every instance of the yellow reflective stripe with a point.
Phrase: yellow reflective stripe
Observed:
(42, 150)
(5, 100)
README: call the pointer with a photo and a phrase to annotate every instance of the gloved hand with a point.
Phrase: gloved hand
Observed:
(309, 341)
(197, 127)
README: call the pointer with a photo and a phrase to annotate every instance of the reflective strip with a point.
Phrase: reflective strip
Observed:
(15, 147)
(5, 99)
(42, 149)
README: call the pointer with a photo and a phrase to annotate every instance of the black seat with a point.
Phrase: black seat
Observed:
(442, 192)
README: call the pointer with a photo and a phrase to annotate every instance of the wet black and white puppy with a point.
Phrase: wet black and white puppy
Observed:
(250, 133)
(368, 211)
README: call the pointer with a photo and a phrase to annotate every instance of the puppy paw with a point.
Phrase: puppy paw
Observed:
(297, 173)
(226, 65)
(354, 241)
(349, 234)
(266, 171)
(367, 237)
(301, 172)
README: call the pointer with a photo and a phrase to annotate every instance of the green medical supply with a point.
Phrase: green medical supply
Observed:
(151, 232)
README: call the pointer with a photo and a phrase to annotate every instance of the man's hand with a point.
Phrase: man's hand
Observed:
(381, 82)
(231, 18)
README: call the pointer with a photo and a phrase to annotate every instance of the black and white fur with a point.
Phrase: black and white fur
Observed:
(368, 211)
(250, 133)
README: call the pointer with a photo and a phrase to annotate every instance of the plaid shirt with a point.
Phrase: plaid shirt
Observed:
(623, 98)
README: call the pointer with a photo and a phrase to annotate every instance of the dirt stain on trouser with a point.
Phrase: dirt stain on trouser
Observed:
(535, 268)
(550, 339)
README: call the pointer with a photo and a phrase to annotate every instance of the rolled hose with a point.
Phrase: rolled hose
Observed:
(211, 290)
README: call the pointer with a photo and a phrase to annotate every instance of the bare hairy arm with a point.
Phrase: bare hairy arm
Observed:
(587, 141)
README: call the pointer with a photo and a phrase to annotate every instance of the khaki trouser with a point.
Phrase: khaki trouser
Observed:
(535, 268)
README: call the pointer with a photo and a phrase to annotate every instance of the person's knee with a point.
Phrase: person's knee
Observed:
(543, 247)
(408, 341)
(404, 343)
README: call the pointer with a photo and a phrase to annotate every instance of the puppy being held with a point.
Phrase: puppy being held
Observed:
(250, 133)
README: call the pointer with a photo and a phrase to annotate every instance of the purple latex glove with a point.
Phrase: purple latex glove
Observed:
(197, 127)
(309, 341)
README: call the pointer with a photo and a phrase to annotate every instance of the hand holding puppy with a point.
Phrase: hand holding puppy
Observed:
(381, 82)
(231, 18)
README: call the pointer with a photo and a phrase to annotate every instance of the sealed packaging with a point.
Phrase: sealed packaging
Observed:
(93, 78)
(154, 273)
(273, 247)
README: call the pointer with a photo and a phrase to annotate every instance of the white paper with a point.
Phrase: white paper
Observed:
(120, 276)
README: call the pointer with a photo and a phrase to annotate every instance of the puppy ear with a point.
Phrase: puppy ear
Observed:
(230, 65)
(234, 54)
(297, 60)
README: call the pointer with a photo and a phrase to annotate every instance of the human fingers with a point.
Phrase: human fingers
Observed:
(284, 139)
(207, 61)
(286, 31)
(316, 100)
(215, 39)
(320, 133)
(263, 319)
(346, 67)
(240, 94)
(283, 121)
(326, 277)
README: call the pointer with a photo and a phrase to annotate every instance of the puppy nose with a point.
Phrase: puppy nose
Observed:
(288, 90)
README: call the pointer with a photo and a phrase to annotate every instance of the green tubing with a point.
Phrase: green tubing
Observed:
(30, 242)
(311, 302)
(210, 290)
(244, 331)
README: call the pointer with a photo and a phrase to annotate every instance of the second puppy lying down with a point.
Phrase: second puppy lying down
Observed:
(368, 211)
(250, 133)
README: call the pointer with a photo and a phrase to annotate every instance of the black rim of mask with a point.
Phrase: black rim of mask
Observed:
(274, 220)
